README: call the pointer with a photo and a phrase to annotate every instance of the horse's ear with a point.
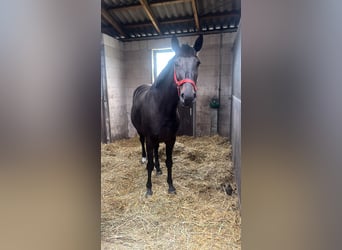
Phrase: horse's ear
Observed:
(175, 44)
(198, 44)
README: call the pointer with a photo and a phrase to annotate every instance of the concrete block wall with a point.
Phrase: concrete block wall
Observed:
(207, 84)
(134, 61)
(113, 51)
(138, 66)
(137, 71)
(210, 75)
(224, 115)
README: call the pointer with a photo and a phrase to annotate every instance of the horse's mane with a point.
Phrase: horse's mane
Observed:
(184, 51)
(164, 72)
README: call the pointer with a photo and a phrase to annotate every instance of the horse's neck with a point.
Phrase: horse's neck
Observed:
(166, 90)
(166, 86)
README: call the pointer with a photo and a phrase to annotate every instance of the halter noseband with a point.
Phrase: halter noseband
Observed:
(181, 82)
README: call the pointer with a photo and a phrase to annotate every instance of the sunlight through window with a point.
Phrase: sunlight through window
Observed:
(160, 59)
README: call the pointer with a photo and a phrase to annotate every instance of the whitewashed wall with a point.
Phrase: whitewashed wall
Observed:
(132, 66)
(113, 51)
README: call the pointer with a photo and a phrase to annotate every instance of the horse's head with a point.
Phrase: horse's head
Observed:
(186, 65)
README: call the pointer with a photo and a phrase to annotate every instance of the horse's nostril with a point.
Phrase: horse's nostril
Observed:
(194, 95)
(182, 95)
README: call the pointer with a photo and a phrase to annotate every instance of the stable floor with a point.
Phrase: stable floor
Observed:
(202, 215)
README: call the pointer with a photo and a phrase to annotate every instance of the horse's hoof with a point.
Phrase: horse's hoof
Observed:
(143, 160)
(159, 172)
(148, 193)
(172, 190)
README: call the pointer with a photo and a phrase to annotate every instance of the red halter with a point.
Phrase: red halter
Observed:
(181, 82)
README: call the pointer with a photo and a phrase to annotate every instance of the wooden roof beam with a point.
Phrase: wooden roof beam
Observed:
(137, 6)
(105, 14)
(144, 25)
(150, 15)
(194, 9)
(168, 3)
(182, 20)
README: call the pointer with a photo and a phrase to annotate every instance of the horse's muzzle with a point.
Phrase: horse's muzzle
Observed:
(187, 95)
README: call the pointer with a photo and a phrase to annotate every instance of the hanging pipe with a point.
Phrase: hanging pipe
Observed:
(104, 95)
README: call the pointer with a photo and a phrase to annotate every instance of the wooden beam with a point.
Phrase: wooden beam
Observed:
(144, 25)
(194, 9)
(105, 14)
(182, 20)
(137, 6)
(168, 3)
(150, 15)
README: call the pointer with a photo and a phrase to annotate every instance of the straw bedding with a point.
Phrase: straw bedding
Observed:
(200, 216)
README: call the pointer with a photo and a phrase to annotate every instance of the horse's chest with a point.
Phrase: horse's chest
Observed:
(168, 128)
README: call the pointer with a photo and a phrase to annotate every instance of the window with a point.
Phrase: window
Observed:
(160, 58)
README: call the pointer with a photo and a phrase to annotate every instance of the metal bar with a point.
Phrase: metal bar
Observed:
(105, 116)
(179, 35)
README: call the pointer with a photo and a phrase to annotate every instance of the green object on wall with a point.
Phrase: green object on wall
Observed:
(214, 103)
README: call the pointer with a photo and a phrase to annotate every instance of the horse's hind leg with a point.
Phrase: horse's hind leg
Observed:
(169, 149)
(156, 160)
(143, 154)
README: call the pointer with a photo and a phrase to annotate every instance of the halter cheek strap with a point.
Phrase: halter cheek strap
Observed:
(181, 82)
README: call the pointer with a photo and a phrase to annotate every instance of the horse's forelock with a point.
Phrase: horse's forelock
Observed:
(186, 50)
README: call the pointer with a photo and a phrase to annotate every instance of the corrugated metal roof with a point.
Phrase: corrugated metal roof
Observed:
(120, 3)
(214, 6)
(129, 20)
(173, 11)
(129, 16)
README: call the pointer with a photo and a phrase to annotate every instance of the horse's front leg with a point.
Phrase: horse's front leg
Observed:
(150, 166)
(169, 149)
(143, 152)
(156, 159)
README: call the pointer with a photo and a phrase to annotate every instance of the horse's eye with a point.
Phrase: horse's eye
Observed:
(198, 63)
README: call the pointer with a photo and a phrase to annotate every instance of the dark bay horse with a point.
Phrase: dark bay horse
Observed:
(154, 111)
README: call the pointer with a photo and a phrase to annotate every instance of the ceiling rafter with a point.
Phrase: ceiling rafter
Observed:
(142, 25)
(150, 15)
(161, 18)
(164, 3)
(105, 14)
(194, 9)
(183, 20)
(152, 5)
